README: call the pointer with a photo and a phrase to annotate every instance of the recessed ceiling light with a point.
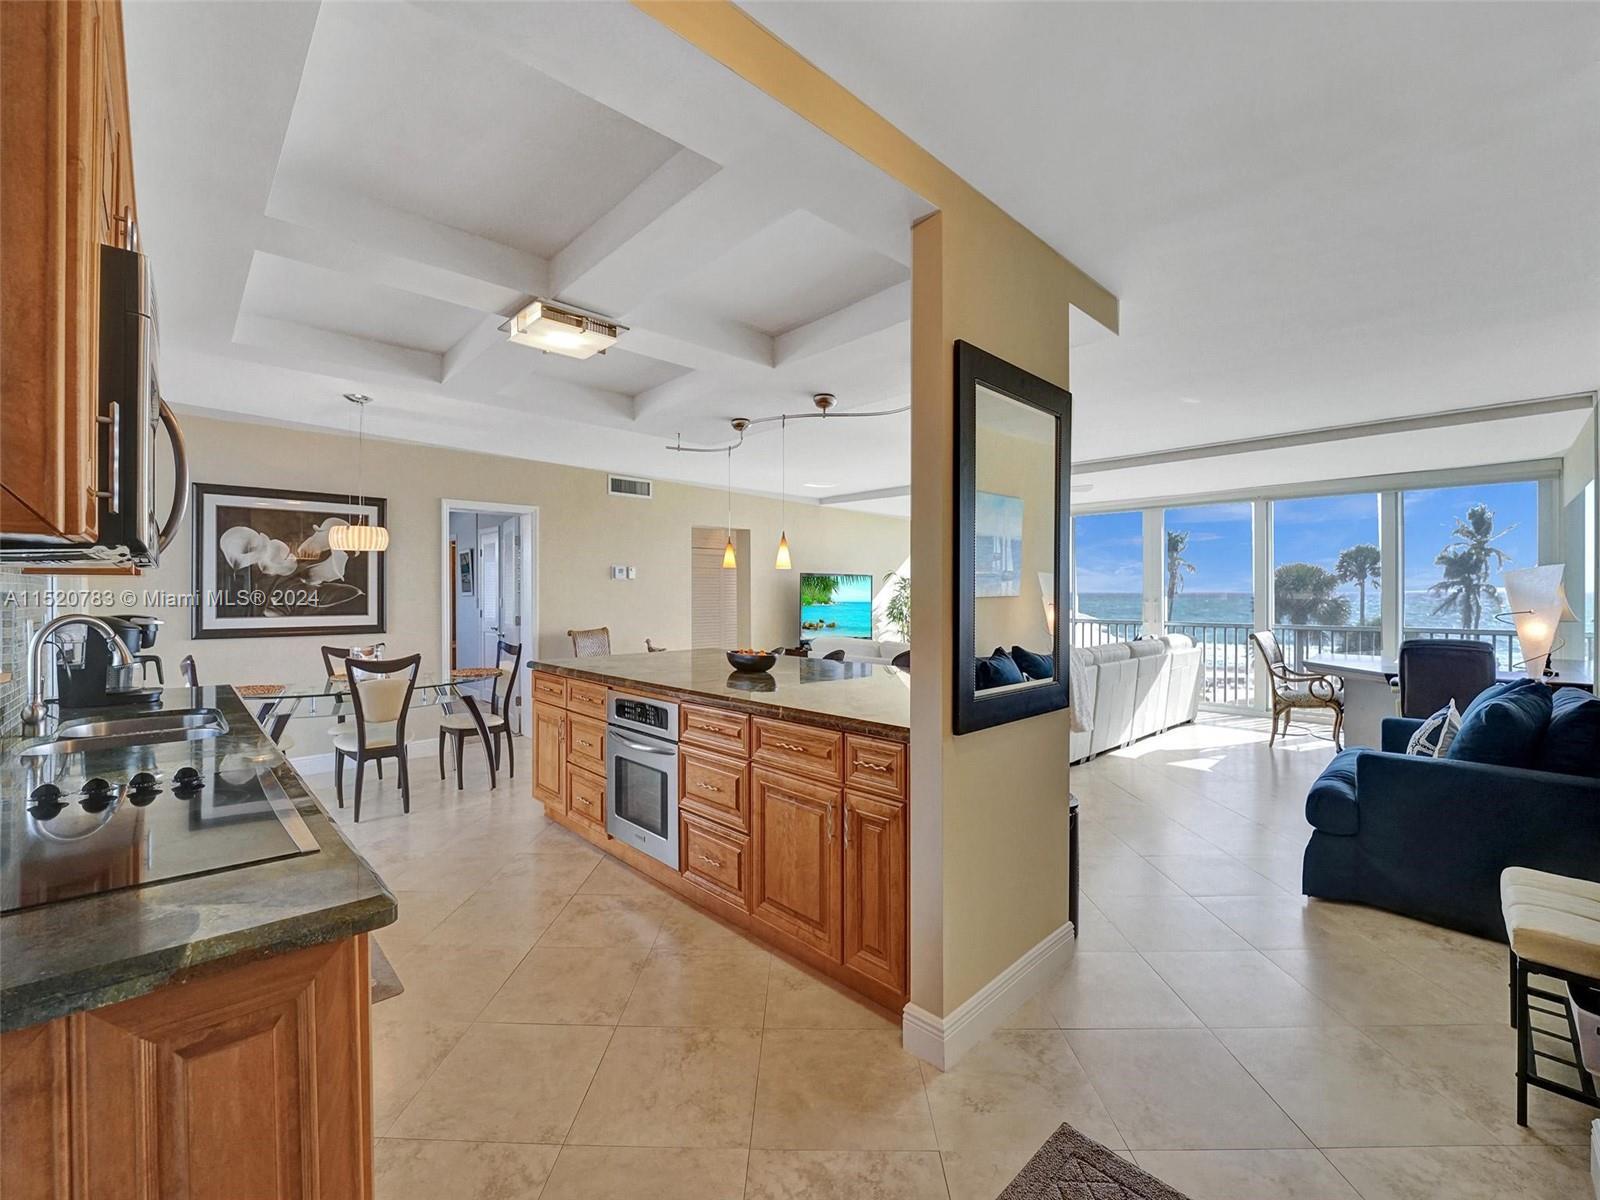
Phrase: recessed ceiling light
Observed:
(820, 485)
(558, 330)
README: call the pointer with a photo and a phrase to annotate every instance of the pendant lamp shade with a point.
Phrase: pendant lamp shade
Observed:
(359, 539)
(783, 563)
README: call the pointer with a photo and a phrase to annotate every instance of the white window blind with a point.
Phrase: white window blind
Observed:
(714, 594)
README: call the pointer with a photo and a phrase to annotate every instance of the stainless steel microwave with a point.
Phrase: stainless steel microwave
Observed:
(131, 416)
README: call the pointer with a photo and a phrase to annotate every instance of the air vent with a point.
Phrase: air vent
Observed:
(638, 489)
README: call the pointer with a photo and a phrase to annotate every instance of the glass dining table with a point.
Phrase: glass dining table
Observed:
(276, 704)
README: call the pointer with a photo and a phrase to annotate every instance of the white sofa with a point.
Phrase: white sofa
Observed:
(1129, 690)
(858, 649)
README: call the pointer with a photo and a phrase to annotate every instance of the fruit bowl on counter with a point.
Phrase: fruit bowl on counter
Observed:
(751, 662)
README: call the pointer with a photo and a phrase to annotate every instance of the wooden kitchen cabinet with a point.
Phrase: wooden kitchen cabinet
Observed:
(875, 888)
(796, 877)
(66, 187)
(246, 1081)
(549, 756)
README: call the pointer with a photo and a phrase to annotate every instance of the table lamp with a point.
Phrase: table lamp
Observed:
(1538, 605)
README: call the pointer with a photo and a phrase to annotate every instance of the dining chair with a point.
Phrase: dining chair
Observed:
(586, 643)
(1435, 671)
(1293, 689)
(460, 726)
(652, 648)
(191, 677)
(902, 660)
(380, 692)
(333, 658)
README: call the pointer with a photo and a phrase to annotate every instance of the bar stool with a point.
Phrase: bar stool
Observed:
(1553, 925)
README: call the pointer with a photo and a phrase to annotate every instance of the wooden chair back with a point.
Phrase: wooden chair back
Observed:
(380, 691)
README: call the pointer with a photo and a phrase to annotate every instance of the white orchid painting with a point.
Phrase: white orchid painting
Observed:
(263, 565)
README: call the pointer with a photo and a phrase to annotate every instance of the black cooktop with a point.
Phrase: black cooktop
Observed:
(68, 835)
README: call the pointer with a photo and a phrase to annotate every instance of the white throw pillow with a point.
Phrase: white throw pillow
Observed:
(1433, 736)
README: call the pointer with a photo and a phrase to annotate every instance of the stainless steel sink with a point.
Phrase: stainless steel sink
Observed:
(180, 725)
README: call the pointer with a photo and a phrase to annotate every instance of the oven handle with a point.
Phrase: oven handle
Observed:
(641, 747)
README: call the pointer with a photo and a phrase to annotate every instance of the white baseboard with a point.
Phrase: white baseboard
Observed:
(943, 1040)
(322, 764)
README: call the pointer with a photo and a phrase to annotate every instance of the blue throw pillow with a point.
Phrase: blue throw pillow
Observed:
(996, 671)
(1504, 726)
(1572, 743)
(1034, 666)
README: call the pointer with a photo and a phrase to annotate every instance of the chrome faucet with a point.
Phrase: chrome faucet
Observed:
(35, 711)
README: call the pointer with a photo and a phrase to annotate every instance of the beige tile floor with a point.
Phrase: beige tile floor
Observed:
(571, 1032)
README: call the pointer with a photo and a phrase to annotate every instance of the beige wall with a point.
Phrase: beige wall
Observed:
(582, 531)
(988, 863)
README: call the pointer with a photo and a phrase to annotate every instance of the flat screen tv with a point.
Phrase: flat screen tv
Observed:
(835, 606)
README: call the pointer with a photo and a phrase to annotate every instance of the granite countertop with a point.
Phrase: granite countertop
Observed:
(76, 954)
(860, 698)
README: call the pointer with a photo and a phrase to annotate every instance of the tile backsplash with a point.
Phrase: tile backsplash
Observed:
(21, 603)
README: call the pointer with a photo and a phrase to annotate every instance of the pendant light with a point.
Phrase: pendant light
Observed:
(783, 562)
(366, 538)
(729, 558)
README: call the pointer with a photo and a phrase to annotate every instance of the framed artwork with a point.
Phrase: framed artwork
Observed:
(997, 545)
(466, 572)
(263, 566)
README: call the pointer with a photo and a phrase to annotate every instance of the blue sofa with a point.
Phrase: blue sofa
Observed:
(1429, 837)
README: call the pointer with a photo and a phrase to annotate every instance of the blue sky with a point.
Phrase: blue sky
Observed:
(1109, 546)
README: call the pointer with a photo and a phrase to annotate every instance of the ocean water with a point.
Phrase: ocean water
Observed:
(847, 618)
(1238, 607)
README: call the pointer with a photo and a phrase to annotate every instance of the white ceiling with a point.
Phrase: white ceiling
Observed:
(353, 196)
(1312, 214)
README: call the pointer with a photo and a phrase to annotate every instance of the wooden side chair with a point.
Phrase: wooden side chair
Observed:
(652, 648)
(333, 658)
(586, 643)
(458, 727)
(1298, 689)
(380, 691)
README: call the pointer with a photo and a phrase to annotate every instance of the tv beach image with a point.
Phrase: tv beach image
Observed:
(836, 605)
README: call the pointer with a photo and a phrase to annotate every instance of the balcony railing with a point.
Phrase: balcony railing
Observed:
(1230, 659)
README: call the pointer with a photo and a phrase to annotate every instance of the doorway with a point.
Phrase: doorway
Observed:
(488, 591)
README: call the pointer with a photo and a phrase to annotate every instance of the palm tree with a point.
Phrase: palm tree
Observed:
(1177, 564)
(1360, 565)
(1467, 563)
(1307, 594)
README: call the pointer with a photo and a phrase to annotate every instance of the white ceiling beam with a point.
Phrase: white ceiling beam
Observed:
(471, 349)
(367, 222)
(294, 342)
(888, 309)
(334, 252)
(697, 340)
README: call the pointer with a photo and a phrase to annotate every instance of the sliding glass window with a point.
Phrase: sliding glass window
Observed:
(1107, 577)
(1458, 544)
(1208, 590)
(1327, 576)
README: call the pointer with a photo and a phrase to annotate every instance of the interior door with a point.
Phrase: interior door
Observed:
(489, 592)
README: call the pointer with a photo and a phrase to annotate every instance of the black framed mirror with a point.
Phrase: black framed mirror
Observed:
(1013, 466)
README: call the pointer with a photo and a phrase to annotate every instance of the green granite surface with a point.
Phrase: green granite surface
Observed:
(83, 953)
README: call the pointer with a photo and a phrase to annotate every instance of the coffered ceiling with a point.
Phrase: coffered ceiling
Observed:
(343, 197)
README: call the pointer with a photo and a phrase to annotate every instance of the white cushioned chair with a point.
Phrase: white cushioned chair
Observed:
(380, 692)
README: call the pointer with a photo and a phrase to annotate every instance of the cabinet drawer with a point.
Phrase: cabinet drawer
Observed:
(716, 858)
(587, 698)
(586, 743)
(586, 795)
(799, 748)
(714, 729)
(716, 787)
(875, 766)
(551, 689)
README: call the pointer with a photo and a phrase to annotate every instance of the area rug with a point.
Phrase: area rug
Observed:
(1072, 1167)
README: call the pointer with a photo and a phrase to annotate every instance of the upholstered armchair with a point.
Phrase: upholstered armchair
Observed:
(1293, 689)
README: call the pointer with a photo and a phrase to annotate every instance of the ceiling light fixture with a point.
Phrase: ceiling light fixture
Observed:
(729, 558)
(558, 329)
(783, 562)
(823, 401)
(359, 538)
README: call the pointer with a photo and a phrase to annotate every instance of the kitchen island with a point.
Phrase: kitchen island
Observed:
(787, 798)
(174, 1033)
